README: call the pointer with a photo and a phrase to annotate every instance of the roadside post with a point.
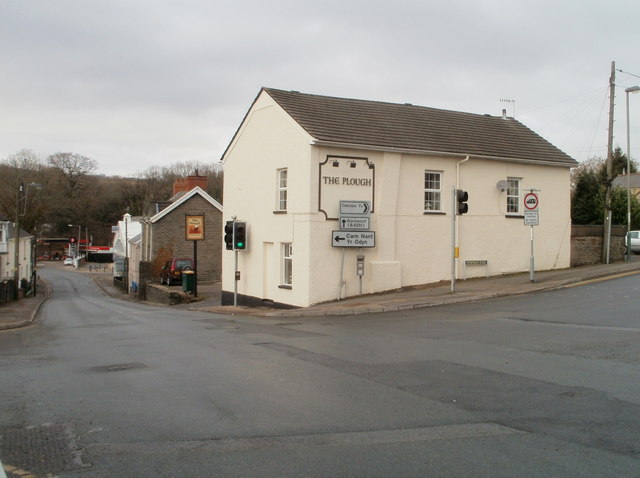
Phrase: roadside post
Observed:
(235, 239)
(194, 231)
(531, 218)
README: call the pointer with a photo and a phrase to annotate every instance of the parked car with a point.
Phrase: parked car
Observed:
(634, 241)
(68, 261)
(171, 272)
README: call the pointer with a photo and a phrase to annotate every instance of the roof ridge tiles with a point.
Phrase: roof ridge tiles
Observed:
(410, 127)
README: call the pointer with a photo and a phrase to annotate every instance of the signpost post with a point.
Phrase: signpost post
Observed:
(194, 231)
(354, 223)
(531, 218)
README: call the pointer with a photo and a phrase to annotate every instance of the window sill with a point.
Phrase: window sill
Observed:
(514, 216)
(280, 212)
(288, 287)
(434, 213)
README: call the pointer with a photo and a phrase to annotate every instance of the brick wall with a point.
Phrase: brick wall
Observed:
(169, 239)
(587, 244)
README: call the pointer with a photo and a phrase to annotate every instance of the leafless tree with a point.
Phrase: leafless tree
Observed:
(73, 168)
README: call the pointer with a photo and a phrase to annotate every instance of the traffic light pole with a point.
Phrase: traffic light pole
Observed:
(454, 216)
(235, 280)
(235, 239)
(235, 265)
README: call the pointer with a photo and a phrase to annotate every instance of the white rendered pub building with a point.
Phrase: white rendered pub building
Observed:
(343, 197)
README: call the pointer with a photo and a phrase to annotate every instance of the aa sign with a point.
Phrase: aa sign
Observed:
(194, 228)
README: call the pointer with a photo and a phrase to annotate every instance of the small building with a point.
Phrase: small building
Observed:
(165, 234)
(9, 236)
(150, 240)
(312, 174)
(126, 229)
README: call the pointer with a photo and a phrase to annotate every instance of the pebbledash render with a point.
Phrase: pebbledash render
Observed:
(343, 197)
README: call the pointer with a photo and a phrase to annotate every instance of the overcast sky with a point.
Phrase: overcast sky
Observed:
(141, 83)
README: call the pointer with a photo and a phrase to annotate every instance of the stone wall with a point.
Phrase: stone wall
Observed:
(161, 295)
(169, 239)
(587, 244)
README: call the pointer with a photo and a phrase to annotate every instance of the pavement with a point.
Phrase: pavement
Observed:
(24, 312)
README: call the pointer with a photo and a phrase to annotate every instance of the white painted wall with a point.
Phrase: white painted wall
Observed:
(411, 247)
(25, 259)
(267, 141)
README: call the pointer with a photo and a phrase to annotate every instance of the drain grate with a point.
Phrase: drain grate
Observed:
(49, 448)
(119, 367)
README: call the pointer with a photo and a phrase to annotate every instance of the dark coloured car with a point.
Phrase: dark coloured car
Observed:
(171, 272)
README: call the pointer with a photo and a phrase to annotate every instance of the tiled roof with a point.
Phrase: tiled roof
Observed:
(621, 180)
(184, 198)
(405, 127)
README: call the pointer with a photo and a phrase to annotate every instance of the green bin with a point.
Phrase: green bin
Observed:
(188, 281)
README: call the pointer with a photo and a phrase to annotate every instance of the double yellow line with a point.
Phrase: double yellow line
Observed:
(602, 279)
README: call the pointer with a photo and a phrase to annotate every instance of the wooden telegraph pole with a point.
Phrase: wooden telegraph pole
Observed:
(606, 243)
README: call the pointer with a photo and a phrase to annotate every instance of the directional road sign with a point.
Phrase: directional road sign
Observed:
(353, 239)
(358, 223)
(355, 208)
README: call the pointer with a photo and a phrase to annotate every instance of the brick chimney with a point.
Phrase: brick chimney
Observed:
(190, 182)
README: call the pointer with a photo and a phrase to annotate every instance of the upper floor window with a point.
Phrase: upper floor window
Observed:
(282, 190)
(513, 196)
(432, 191)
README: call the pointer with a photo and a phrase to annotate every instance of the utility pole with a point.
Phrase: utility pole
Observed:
(607, 202)
(16, 250)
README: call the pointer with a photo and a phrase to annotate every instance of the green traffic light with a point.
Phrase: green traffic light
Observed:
(240, 244)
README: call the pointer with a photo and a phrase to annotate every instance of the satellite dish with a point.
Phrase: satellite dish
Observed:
(502, 185)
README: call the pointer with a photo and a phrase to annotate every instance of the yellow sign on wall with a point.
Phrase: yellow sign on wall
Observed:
(194, 228)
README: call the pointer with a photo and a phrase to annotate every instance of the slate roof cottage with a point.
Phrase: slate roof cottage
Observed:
(295, 156)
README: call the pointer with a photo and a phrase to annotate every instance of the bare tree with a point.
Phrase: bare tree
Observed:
(73, 168)
(27, 168)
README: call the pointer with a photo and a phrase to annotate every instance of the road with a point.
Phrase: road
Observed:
(543, 385)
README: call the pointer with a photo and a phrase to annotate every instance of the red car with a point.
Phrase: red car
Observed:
(171, 272)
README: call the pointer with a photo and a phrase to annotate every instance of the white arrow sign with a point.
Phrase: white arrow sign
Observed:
(359, 223)
(353, 239)
(355, 208)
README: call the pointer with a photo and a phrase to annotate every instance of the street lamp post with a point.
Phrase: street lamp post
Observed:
(16, 246)
(631, 89)
(16, 252)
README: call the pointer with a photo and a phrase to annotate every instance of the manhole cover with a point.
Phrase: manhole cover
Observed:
(48, 448)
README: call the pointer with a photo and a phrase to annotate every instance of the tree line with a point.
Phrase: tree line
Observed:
(589, 184)
(63, 189)
(71, 192)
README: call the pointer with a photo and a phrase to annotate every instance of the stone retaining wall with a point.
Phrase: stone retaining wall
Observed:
(587, 244)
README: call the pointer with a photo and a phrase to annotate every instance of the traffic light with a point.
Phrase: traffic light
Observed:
(239, 235)
(228, 235)
(461, 199)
